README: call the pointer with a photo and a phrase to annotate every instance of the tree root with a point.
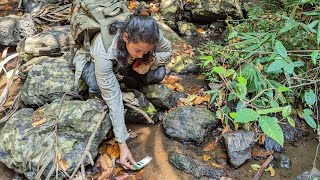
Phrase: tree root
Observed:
(140, 111)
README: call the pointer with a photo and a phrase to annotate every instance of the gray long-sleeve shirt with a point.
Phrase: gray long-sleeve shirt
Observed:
(108, 84)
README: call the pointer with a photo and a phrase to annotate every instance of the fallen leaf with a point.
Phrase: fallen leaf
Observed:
(154, 8)
(124, 176)
(206, 157)
(201, 31)
(198, 100)
(105, 162)
(226, 129)
(211, 145)
(271, 170)
(255, 167)
(260, 67)
(170, 86)
(259, 152)
(39, 122)
(216, 165)
(171, 79)
(178, 87)
(189, 99)
(201, 77)
(262, 138)
(118, 170)
(132, 6)
(113, 150)
(207, 98)
(62, 164)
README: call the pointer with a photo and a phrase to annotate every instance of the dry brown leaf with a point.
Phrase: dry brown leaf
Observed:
(39, 122)
(260, 67)
(201, 31)
(198, 100)
(154, 7)
(113, 150)
(105, 162)
(201, 77)
(226, 129)
(171, 79)
(259, 152)
(62, 164)
(118, 170)
(211, 145)
(207, 98)
(132, 6)
(206, 157)
(216, 165)
(271, 170)
(262, 138)
(178, 87)
(170, 86)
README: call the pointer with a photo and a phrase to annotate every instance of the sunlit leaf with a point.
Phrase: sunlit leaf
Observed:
(233, 115)
(246, 115)
(291, 23)
(216, 165)
(255, 167)
(229, 72)
(242, 80)
(307, 114)
(218, 69)
(206, 58)
(270, 110)
(281, 49)
(286, 111)
(291, 122)
(241, 90)
(271, 128)
(310, 97)
(283, 89)
(206, 157)
(314, 56)
(178, 87)
(276, 65)
(62, 164)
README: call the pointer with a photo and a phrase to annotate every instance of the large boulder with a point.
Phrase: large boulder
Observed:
(62, 138)
(168, 9)
(196, 168)
(239, 144)
(208, 10)
(48, 81)
(52, 42)
(189, 124)
(15, 28)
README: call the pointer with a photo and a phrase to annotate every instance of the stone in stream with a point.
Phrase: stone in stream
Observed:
(52, 42)
(309, 175)
(238, 145)
(161, 96)
(145, 105)
(188, 164)
(15, 28)
(272, 145)
(189, 124)
(186, 29)
(24, 148)
(282, 160)
(48, 81)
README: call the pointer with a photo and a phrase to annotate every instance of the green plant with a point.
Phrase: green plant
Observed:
(269, 65)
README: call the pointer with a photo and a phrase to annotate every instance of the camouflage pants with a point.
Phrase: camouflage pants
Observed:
(132, 80)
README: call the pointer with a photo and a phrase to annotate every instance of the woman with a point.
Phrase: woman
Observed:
(138, 49)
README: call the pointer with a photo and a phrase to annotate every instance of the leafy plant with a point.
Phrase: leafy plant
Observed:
(270, 64)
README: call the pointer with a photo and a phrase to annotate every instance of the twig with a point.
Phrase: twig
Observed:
(86, 150)
(140, 111)
(262, 168)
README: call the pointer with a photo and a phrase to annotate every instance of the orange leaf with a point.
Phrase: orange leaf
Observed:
(211, 145)
(198, 100)
(271, 170)
(170, 86)
(39, 122)
(206, 157)
(171, 79)
(216, 165)
(262, 138)
(105, 162)
(118, 170)
(226, 129)
(124, 176)
(113, 151)
(132, 5)
(201, 31)
(259, 152)
(179, 87)
(62, 164)
(207, 98)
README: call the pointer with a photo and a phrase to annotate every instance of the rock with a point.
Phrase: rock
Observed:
(183, 64)
(24, 148)
(145, 105)
(161, 96)
(168, 9)
(47, 81)
(272, 145)
(312, 174)
(291, 134)
(15, 28)
(189, 124)
(191, 166)
(186, 28)
(49, 43)
(238, 145)
(282, 160)
(32, 6)
(207, 10)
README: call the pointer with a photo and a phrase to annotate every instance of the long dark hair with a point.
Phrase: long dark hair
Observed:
(140, 27)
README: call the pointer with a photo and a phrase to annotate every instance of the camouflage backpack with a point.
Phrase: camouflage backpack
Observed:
(91, 16)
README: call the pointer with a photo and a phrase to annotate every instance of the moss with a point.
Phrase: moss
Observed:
(150, 110)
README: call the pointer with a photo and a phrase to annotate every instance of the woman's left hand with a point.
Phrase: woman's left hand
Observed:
(143, 68)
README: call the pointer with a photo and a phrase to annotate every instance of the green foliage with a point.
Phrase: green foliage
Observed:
(269, 65)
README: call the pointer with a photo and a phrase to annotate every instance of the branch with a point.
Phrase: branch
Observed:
(263, 167)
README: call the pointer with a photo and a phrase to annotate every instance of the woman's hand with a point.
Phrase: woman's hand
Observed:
(142, 68)
(126, 159)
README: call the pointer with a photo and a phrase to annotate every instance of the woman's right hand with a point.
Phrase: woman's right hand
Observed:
(126, 159)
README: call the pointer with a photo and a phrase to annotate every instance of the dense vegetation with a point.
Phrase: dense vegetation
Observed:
(268, 69)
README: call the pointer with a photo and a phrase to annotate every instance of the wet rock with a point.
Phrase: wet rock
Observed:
(168, 9)
(15, 28)
(145, 105)
(291, 134)
(312, 174)
(47, 81)
(186, 28)
(282, 161)
(183, 64)
(191, 166)
(49, 43)
(207, 10)
(272, 145)
(161, 96)
(189, 124)
(238, 145)
(24, 148)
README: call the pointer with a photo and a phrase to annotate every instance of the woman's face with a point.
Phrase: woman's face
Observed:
(137, 50)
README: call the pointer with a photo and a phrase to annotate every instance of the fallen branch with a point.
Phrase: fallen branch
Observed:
(140, 111)
(263, 167)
